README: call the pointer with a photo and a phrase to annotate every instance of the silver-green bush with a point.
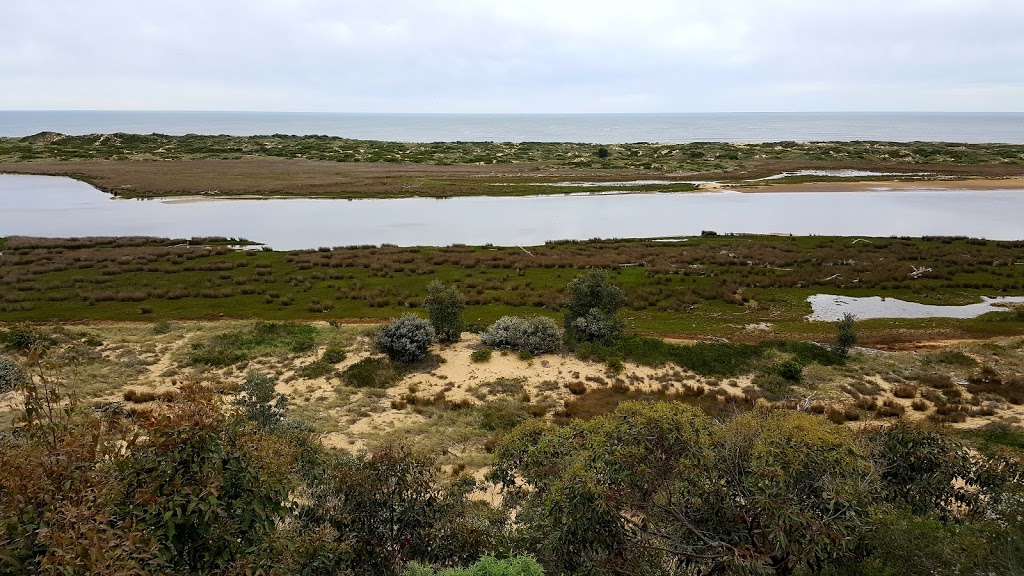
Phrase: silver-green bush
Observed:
(405, 339)
(12, 374)
(533, 334)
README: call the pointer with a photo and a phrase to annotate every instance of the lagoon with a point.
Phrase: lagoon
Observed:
(62, 207)
(830, 307)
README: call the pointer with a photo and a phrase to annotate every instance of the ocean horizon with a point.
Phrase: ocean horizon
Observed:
(611, 128)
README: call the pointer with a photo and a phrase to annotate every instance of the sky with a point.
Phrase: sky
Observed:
(513, 56)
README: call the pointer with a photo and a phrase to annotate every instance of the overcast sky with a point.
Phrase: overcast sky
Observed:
(513, 55)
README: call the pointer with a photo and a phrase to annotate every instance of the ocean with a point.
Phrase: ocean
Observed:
(589, 128)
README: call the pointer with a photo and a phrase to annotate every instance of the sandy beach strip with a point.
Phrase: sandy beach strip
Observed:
(883, 185)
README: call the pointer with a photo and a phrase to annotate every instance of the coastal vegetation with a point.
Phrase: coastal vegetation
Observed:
(747, 288)
(652, 485)
(180, 448)
(132, 165)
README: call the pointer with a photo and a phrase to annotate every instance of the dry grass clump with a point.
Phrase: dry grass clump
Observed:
(143, 396)
(890, 409)
(576, 387)
(905, 391)
(989, 381)
(919, 405)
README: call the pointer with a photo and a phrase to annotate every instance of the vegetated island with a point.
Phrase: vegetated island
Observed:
(132, 165)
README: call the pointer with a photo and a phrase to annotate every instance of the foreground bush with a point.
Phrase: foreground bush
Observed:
(81, 494)
(659, 485)
(533, 334)
(486, 566)
(386, 509)
(405, 339)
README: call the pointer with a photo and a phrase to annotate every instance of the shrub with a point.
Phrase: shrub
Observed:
(333, 355)
(241, 345)
(259, 402)
(905, 391)
(316, 369)
(405, 339)
(502, 415)
(591, 309)
(772, 386)
(481, 355)
(207, 490)
(12, 375)
(486, 566)
(846, 335)
(596, 326)
(890, 409)
(386, 508)
(790, 371)
(444, 305)
(533, 334)
(371, 373)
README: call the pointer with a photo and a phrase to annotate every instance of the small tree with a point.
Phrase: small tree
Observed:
(846, 335)
(259, 402)
(445, 304)
(405, 339)
(592, 307)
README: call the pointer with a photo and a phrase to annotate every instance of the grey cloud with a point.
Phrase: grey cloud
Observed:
(523, 56)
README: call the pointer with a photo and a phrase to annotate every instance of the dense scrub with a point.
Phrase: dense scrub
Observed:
(654, 486)
(705, 286)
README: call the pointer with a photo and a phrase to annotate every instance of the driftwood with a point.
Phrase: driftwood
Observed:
(525, 250)
(805, 406)
(918, 271)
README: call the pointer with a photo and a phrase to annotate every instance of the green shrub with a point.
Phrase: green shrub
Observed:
(390, 510)
(405, 339)
(259, 402)
(481, 355)
(372, 373)
(316, 369)
(333, 355)
(501, 415)
(263, 337)
(486, 566)
(445, 305)
(846, 335)
(773, 386)
(789, 370)
(591, 309)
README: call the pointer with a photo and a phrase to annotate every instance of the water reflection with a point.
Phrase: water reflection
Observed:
(61, 207)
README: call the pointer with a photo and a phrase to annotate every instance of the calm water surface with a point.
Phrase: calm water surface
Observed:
(61, 207)
(829, 307)
(595, 128)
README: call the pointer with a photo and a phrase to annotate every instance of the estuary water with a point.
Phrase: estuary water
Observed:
(592, 128)
(62, 207)
(829, 307)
